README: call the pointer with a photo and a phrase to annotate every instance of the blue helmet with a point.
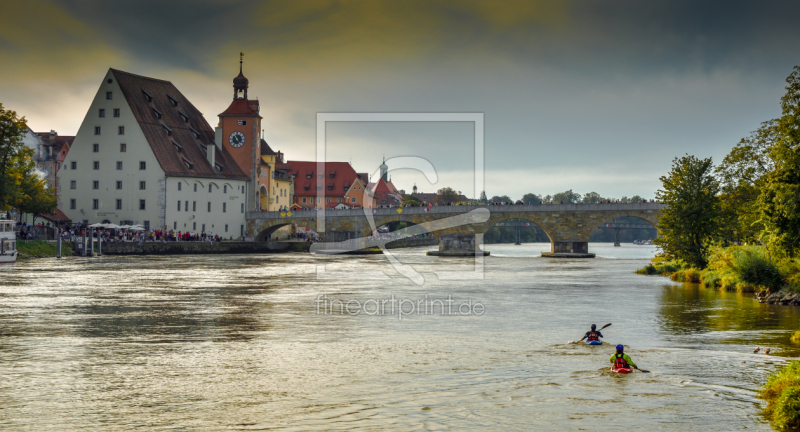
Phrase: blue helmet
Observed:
(620, 347)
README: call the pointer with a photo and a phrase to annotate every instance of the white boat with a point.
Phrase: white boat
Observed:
(8, 242)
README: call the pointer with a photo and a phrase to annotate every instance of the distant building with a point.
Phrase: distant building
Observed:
(50, 149)
(385, 193)
(276, 187)
(333, 182)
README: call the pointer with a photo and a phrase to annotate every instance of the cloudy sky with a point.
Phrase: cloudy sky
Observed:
(585, 95)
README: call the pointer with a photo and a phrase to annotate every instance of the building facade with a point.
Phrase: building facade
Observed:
(145, 155)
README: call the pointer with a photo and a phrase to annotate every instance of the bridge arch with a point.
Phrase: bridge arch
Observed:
(516, 224)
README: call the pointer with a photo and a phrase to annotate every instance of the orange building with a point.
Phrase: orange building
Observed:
(313, 189)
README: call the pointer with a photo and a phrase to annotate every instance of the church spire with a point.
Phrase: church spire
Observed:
(240, 83)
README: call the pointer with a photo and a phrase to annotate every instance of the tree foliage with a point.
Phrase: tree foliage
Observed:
(532, 198)
(690, 222)
(592, 198)
(412, 200)
(568, 197)
(446, 195)
(779, 201)
(12, 128)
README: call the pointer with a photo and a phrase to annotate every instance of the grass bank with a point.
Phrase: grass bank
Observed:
(734, 268)
(42, 249)
(782, 393)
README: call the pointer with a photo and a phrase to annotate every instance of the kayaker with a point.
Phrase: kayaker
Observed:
(592, 335)
(622, 360)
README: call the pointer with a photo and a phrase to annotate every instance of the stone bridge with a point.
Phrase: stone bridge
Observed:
(568, 226)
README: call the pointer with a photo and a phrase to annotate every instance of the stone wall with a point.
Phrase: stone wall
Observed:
(188, 248)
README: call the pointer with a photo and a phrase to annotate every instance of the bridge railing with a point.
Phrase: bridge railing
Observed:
(543, 208)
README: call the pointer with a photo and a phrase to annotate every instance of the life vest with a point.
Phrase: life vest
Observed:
(593, 336)
(619, 361)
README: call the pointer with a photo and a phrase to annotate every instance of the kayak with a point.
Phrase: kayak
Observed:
(597, 342)
(621, 370)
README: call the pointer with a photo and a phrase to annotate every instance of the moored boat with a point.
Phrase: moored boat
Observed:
(8, 242)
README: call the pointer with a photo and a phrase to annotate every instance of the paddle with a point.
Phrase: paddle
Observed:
(642, 370)
(604, 326)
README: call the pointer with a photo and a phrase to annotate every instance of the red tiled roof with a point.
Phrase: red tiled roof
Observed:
(241, 107)
(57, 216)
(155, 129)
(343, 178)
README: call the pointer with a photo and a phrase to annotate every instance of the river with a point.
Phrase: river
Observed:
(233, 342)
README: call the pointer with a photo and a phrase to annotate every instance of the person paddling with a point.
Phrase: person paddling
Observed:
(622, 360)
(592, 335)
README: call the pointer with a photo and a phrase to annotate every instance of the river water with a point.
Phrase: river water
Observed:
(266, 342)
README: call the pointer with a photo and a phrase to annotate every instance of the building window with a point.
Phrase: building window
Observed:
(179, 185)
(242, 207)
(102, 112)
(123, 148)
(121, 130)
(95, 148)
(119, 204)
(72, 204)
(95, 184)
(241, 230)
(147, 225)
(226, 227)
(72, 184)
(174, 225)
(223, 207)
(119, 184)
(225, 189)
(338, 200)
(304, 200)
(209, 188)
(194, 206)
(195, 187)
(141, 204)
(96, 165)
(186, 205)
(194, 226)
(328, 200)
(73, 165)
(116, 112)
(95, 204)
(203, 229)
(209, 206)
(97, 130)
(109, 95)
(354, 200)
(141, 185)
(142, 165)
(119, 165)
(179, 205)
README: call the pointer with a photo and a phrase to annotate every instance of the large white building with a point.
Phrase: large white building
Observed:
(145, 155)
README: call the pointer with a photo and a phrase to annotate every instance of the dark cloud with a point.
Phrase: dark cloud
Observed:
(565, 86)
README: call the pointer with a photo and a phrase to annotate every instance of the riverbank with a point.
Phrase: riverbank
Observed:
(737, 268)
(41, 249)
(782, 393)
(194, 248)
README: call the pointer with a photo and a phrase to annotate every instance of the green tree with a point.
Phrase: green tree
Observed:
(446, 195)
(568, 197)
(532, 198)
(592, 198)
(742, 174)
(412, 200)
(691, 219)
(12, 129)
(779, 201)
(33, 196)
(501, 198)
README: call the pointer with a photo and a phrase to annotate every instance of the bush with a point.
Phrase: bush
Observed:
(754, 268)
(796, 337)
(782, 393)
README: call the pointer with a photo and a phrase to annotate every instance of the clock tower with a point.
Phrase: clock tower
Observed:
(239, 132)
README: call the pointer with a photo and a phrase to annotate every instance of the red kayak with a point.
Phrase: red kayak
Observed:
(621, 370)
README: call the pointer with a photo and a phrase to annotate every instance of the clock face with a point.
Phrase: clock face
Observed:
(236, 139)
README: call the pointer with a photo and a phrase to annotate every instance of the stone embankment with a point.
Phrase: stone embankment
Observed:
(181, 248)
(780, 297)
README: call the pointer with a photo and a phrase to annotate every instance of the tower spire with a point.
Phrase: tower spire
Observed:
(240, 83)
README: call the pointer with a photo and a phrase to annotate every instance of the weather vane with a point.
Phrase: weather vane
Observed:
(241, 55)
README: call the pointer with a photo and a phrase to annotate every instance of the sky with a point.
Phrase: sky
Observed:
(583, 95)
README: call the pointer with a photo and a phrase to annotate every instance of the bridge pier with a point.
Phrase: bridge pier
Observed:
(458, 245)
(568, 249)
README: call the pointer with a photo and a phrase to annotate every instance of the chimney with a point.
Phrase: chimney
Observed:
(211, 153)
(218, 136)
